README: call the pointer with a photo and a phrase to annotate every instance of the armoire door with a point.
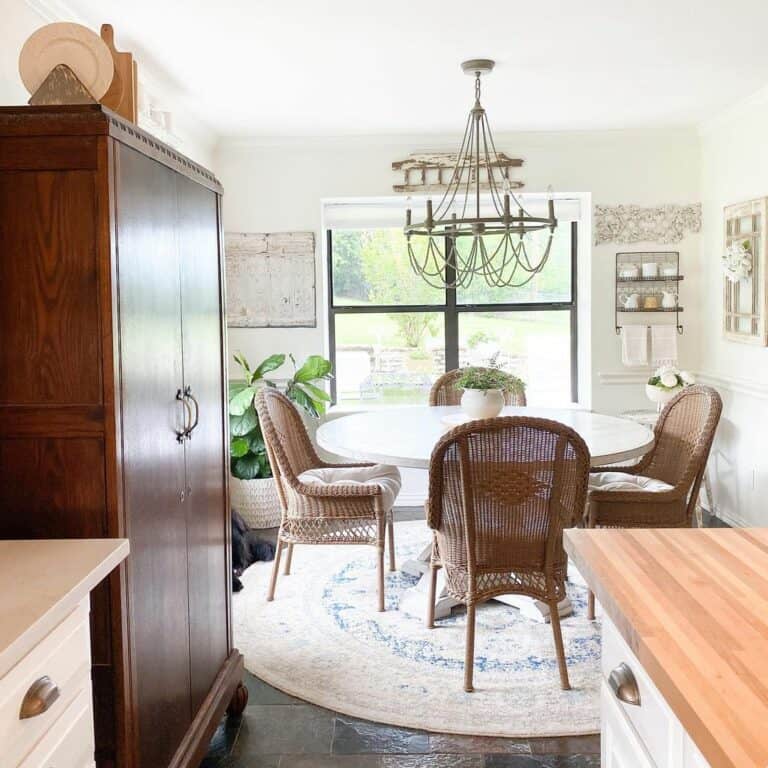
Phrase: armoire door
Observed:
(148, 278)
(207, 516)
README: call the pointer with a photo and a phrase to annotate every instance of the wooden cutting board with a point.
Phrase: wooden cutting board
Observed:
(122, 95)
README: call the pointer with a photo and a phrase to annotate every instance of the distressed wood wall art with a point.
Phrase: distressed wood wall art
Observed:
(270, 280)
(637, 224)
(431, 171)
(745, 281)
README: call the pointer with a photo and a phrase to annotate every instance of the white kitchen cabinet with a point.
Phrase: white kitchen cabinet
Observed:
(46, 714)
(639, 730)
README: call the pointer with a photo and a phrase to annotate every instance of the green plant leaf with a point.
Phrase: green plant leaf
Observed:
(300, 397)
(235, 386)
(315, 367)
(243, 363)
(241, 425)
(241, 401)
(247, 467)
(272, 363)
(256, 442)
(239, 447)
(316, 392)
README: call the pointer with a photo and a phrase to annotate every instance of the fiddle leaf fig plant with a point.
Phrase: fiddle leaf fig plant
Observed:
(248, 452)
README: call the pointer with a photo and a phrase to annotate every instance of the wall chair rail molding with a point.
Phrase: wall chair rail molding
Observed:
(622, 378)
(637, 224)
(750, 387)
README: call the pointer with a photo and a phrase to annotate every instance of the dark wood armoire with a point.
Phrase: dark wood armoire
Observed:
(112, 410)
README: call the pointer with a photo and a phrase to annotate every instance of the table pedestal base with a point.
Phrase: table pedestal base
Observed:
(414, 600)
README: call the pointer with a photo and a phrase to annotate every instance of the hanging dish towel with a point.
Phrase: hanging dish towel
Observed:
(634, 345)
(664, 344)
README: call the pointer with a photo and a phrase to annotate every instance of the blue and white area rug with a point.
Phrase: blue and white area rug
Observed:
(323, 641)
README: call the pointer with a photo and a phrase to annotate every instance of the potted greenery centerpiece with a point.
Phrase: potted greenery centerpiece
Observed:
(252, 487)
(665, 383)
(484, 390)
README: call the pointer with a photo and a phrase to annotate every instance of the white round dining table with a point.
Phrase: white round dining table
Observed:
(405, 436)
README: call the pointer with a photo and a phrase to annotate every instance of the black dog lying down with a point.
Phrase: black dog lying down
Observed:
(247, 548)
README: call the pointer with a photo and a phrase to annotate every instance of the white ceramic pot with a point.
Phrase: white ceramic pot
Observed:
(257, 501)
(482, 403)
(660, 396)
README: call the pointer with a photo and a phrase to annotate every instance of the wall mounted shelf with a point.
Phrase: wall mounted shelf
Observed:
(667, 279)
(657, 309)
(647, 286)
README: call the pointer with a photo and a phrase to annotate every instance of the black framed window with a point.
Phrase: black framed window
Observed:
(391, 335)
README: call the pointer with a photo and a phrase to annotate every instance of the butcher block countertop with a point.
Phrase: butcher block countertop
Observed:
(42, 582)
(693, 606)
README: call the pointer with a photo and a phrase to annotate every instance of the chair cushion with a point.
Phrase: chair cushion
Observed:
(622, 481)
(383, 475)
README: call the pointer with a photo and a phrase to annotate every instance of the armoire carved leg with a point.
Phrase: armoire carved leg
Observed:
(238, 701)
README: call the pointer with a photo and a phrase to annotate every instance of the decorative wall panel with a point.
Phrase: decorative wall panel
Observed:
(636, 224)
(270, 280)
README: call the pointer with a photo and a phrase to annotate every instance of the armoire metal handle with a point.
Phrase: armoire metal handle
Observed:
(184, 434)
(188, 394)
(624, 685)
(39, 698)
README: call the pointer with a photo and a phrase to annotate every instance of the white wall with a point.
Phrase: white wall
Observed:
(279, 185)
(734, 168)
(20, 18)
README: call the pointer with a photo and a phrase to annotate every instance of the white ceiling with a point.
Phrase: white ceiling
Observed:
(337, 67)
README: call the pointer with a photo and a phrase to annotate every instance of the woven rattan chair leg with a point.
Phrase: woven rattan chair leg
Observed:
(554, 615)
(288, 560)
(590, 605)
(469, 650)
(391, 534)
(430, 622)
(380, 568)
(275, 570)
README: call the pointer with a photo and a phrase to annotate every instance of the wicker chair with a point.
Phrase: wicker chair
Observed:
(500, 493)
(444, 392)
(662, 489)
(352, 505)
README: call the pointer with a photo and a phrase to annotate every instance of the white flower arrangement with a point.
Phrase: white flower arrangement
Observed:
(669, 377)
(737, 261)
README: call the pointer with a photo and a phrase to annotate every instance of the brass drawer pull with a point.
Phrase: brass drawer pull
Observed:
(39, 698)
(624, 685)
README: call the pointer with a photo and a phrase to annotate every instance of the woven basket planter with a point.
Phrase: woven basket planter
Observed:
(257, 501)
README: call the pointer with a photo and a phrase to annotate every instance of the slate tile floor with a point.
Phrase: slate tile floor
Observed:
(279, 731)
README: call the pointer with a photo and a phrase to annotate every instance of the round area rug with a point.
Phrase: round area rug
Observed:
(323, 641)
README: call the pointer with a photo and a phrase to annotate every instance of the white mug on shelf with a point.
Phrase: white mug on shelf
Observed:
(630, 300)
(669, 270)
(629, 271)
(668, 299)
(650, 269)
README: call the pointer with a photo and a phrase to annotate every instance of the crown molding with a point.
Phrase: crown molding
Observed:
(734, 112)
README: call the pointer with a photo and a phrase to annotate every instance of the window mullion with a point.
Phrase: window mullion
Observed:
(451, 315)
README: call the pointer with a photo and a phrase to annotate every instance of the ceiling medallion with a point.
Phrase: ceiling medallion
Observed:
(473, 230)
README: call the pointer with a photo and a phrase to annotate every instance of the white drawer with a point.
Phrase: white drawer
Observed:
(69, 743)
(655, 723)
(64, 656)
(620, 746)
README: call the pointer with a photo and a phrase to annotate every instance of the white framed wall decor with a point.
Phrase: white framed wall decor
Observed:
(745, 287)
